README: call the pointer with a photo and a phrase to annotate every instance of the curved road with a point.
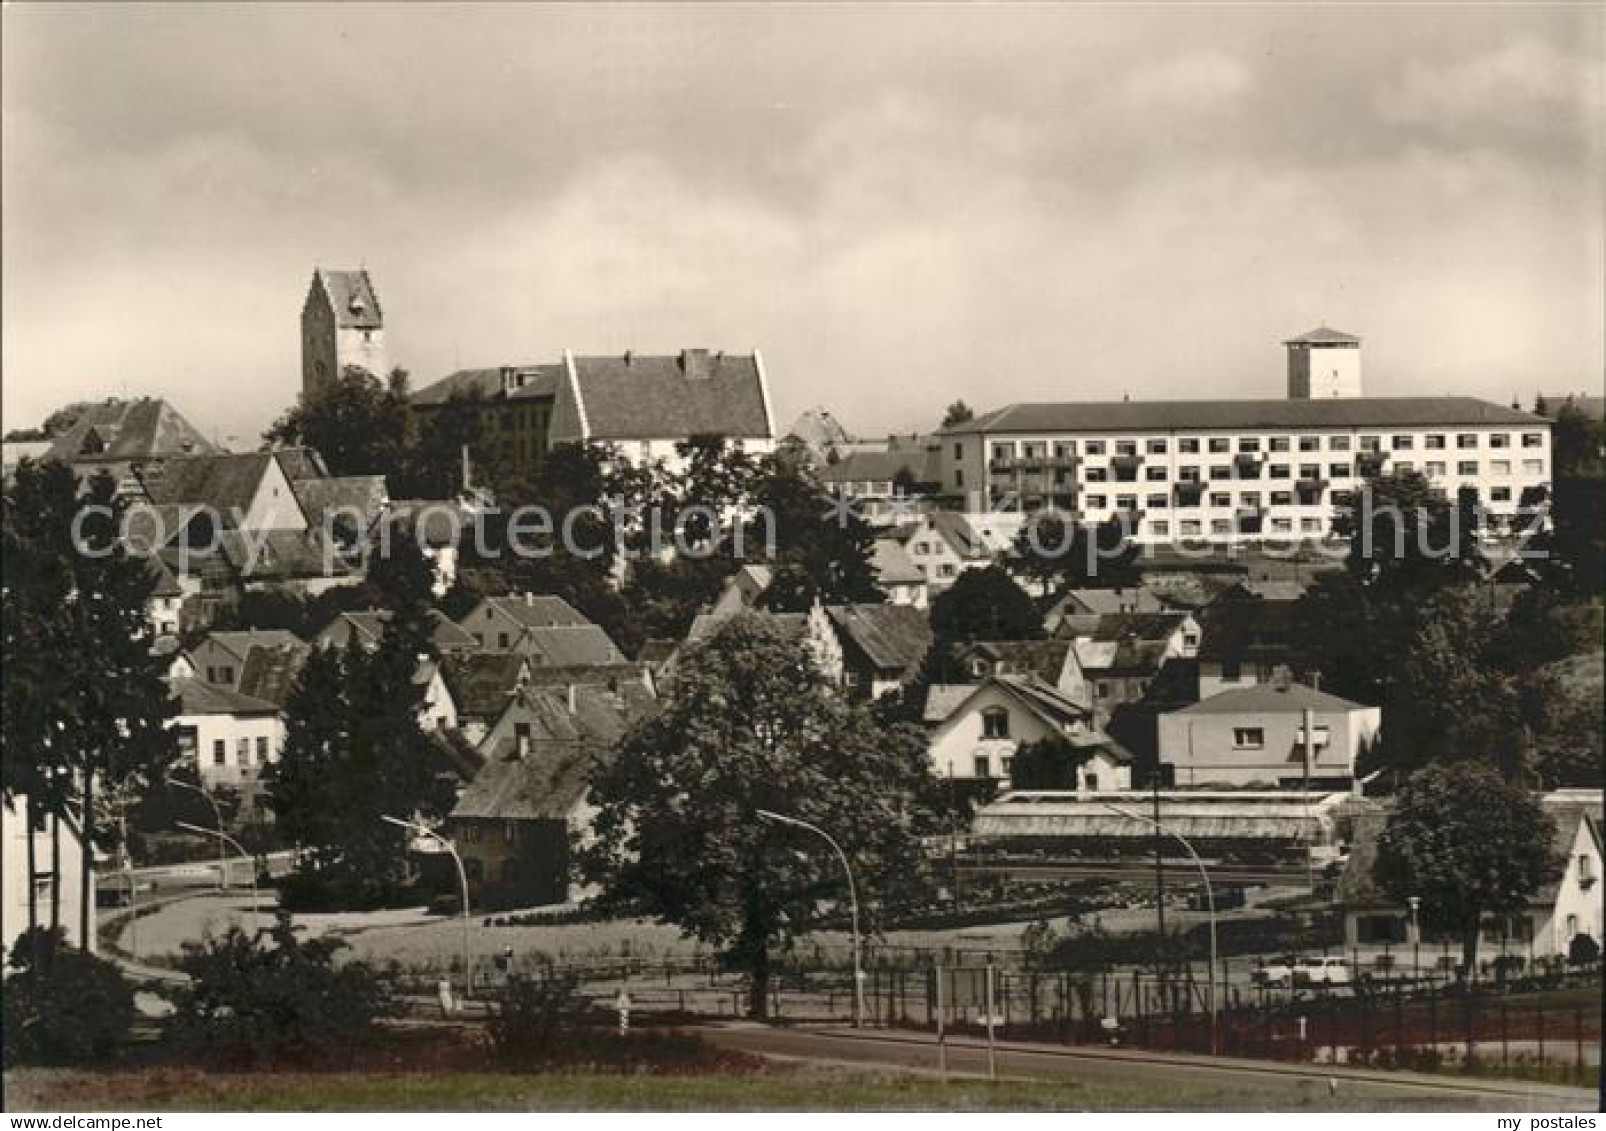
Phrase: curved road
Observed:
(1171, 1077)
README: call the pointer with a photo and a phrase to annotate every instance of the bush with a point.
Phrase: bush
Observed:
(1583, 950)
(544, 1022)
(250, 1004)
(63, 1006)
(532, 1019)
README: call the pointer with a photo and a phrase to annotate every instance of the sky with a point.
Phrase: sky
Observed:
(900, 206)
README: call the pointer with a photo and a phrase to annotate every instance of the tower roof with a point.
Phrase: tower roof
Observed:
(351, 295)
(1324, 336)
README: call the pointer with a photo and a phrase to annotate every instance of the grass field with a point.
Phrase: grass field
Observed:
(781, 1088)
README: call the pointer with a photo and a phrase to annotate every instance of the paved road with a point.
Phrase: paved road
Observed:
(1168, 1074)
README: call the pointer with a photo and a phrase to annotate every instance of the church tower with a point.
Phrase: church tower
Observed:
(341, 326)
(1322, 364)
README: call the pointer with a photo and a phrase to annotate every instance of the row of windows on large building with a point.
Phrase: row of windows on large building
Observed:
(1249, 445)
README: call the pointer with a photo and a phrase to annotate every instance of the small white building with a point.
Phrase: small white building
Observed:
(1256, 736)
(228, 736)
(1556, 914)
(978, 735)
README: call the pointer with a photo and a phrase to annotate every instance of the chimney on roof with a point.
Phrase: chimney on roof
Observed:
(694, 364)
(572, 697)
(529, 598)
(630, 356)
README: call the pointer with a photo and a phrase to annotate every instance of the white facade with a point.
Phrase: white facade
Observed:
(1230, 485)
(230, 748)
(1257, 737)
(978, 741)
(16, 881)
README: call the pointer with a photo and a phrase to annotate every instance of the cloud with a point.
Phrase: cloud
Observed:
(1528, 85)
(898, 209)
(1191, 81)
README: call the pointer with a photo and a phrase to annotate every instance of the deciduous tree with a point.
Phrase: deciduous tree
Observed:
(752, 726)
(1469, 845)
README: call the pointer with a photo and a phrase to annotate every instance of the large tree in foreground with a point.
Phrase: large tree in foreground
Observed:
(1469, 845)
(355, 752)
(752, 726)
(86, 709)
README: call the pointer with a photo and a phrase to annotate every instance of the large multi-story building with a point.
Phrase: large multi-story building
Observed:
(1242, 470)
(642, 405)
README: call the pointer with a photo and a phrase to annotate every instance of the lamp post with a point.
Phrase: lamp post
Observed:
(1415, 902)
(853, 901)
(1210, 900)
(225, 839)
(217, 817)
(462, 879)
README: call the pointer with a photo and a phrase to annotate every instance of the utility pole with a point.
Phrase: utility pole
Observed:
(1159, 852)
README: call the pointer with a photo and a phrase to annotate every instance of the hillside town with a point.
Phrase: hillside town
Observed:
(584, 715)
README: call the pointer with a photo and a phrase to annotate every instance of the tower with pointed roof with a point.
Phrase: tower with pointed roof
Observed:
(1322, 364)
(342, 326)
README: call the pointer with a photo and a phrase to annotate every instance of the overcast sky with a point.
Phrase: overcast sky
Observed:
(899, 206)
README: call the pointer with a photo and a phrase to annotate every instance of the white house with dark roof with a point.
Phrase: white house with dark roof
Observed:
(644, 405)
(897, 575)
(1233, 470)
(1256, 736)
(977, 729)
(342, 327)
(1558, 912)
(228, 736)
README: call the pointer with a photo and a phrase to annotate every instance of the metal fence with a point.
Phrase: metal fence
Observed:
(1541, 1027)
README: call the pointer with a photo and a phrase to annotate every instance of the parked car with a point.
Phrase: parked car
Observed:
(1277, 972)
(1323, 972)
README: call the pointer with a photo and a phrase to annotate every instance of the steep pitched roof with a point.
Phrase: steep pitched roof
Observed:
(368, 625)
(636, 397)
(818, 430)
(892, 638)
(550, 778)
(166, 584)
(481, 683)
(226, 482)
(352, 297)
(239, 642)
(1044, 659)
(1192, 416)
(528, 382)
(1099, 602)
(136, 429)
(1147, 627)
(284, 555)
(1270, 698)
(339, 497)
(197, 697)
(270, 673)
(893, 565)
(571, 645)
(538, 610)
(301, 463)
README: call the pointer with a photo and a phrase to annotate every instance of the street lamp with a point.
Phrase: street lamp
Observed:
(225, 838)
(462, 878)
(1210, 900)
(217, 816)
(1415, 902)
(853, 901)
